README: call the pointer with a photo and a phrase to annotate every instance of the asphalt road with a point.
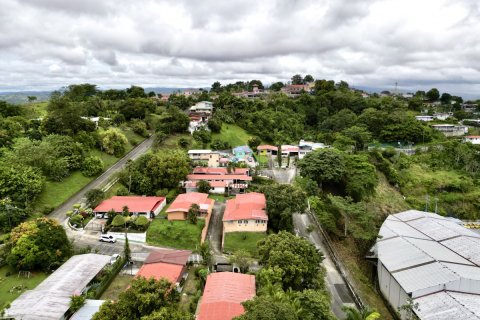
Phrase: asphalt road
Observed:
(340, 295)
(215, 227)
(59, 213)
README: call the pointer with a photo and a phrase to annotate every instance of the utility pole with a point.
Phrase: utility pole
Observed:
(436, 204)
(427, 203)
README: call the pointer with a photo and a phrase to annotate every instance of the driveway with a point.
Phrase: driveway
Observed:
(215, 228)
(335, 284)
(102, 180)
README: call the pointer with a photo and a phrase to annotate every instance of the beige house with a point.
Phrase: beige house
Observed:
(178, 210)
(246, 213)
(208, 157)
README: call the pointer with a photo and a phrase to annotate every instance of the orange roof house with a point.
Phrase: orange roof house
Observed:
(220, 171)
(179, 257)
(246, 213)
(178, 210)
(136, 204)
(160, 270)
(224, 292)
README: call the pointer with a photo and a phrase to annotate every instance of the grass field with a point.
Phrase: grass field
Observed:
(118, 285)
(233, 134)
(175, 234)
(220, 198)
(56, 192)
(242, 241)
(20, 284)
(190, 290)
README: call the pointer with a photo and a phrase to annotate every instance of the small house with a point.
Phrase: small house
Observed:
(246, 213)
(137, 205)
(179, 208)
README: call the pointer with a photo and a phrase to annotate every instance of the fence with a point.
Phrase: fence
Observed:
(117, 266)
(338, 265)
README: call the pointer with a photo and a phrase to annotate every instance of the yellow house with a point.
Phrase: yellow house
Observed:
(208, 157)
(178, 210)
(246, 213)
(266, 149)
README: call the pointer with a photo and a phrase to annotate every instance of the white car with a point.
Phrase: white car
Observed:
(107, 238)
(114, 258)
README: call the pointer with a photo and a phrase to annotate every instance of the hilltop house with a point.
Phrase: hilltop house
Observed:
(202, 107)
(178, 209)
(305, 147)
(208, 157)
(450, 130)
(267, 150)
(472, 139)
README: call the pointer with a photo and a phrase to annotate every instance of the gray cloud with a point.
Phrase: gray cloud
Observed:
(193, 43)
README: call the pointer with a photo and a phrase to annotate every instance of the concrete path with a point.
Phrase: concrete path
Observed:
(334, 282)
(215, 228)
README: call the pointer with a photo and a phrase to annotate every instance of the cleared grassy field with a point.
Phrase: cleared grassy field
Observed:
(175, 234)
(13, 286)
(233, 134)
(243, 241)
(118, 285)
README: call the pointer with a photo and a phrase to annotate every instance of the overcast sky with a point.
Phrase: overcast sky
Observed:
(46, 44)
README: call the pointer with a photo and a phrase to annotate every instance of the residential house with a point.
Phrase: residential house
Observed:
(246, 213)
(208, 157)
(425, 118)
(305, 147)
(220, 183)
(289, 150)
(267, 150)
(137, 205)
(223, 295)
(242, 152)
(178, 209)
(469, 107)
(191, 92)
(203, 107)
(472, 139)
(50, 300)
(451, 130)
(166, 264)
(296, 88)
(436, 116)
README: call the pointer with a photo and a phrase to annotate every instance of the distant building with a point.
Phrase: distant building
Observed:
(242, 152)
(137, 205)
(289, 150)
(266, 149)
(208, 157)
(434, 261)
(451, 130)
(472, 139)
(166, 264)
(296, 88)
(305, 147)
(202, 107)
(223, 295)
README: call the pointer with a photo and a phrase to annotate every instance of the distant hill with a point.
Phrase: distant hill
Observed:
(22, 96)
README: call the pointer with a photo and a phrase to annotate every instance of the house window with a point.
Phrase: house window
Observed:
(245, 221)
(239, 221)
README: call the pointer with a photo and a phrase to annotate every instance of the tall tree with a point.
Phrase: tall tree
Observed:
(297, 79)
(433, 94)
(323, 166)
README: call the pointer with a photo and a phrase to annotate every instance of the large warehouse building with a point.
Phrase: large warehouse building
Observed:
(432, 260)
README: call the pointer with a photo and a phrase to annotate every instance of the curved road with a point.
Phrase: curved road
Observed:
(59, 212)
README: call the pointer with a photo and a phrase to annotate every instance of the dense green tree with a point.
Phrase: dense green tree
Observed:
(297, 79)
(242, 259)
(361, 177)
(308, 78)
(80, 92)
(139, 127)
(267, 308)
(216, 87)
(324, 86)
(118, 221)
(446, 98)
(283, 200)
(135, 108)
(136, 92)
(297, 258)
(94, 197)
(9, 110)
(92, 166)
(345, 118)
(38, 244)
(193, 213)
(254, 142)
(203, 136)
(433, 94)
(21, 183)
(277, 86)
(359, 135)
(64, 118)
(363, 314)
(203, 186)
(114, 142)
(215, 125)
(173, 121)
(144, 298)
(323, 166)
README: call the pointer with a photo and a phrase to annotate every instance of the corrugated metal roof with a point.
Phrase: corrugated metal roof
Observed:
(437, 251)
(469, 301)
(468, 272)
(410, 215)
(397, 253)
(433, 229)
(402, 229)
(467, 247)
(425, 276)
(442, 306)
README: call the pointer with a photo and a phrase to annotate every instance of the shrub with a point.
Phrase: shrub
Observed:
(92, 166)
(122, 191)
(118, 221)
(139, 127)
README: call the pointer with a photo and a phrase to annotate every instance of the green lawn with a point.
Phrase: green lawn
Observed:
(220, 198)
(175, 234)
(20, 284)
(243, 241)
(262, 159)
(55, 193)
(118, 285)
(190, 291)
(233, 134)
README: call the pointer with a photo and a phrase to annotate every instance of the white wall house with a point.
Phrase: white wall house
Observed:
(472, 139)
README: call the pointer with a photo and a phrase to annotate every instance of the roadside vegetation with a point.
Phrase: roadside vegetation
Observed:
(246, 241)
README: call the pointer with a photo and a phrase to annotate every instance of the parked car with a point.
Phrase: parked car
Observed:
(99, 216)
(107, 238)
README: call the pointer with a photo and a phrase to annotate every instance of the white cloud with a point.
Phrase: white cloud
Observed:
(51, 43)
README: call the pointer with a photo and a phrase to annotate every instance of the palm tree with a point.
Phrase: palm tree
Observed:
(363, 314)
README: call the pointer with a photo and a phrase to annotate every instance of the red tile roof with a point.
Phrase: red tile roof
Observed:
(224, 171)
(159, 270)
(214, 184)
(219, 177)
(246, 206)
(267, 147)
(472, 137)
(184, 201)
(179, 257)
(224, 292)
(134, 204)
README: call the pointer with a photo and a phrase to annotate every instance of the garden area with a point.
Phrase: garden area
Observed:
(12, 285)
(175, 234)
(118, 285)
(232, 134)
(246, 241)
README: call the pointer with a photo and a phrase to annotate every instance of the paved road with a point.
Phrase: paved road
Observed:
(336, 286)
(142, 148)
(215, 228)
